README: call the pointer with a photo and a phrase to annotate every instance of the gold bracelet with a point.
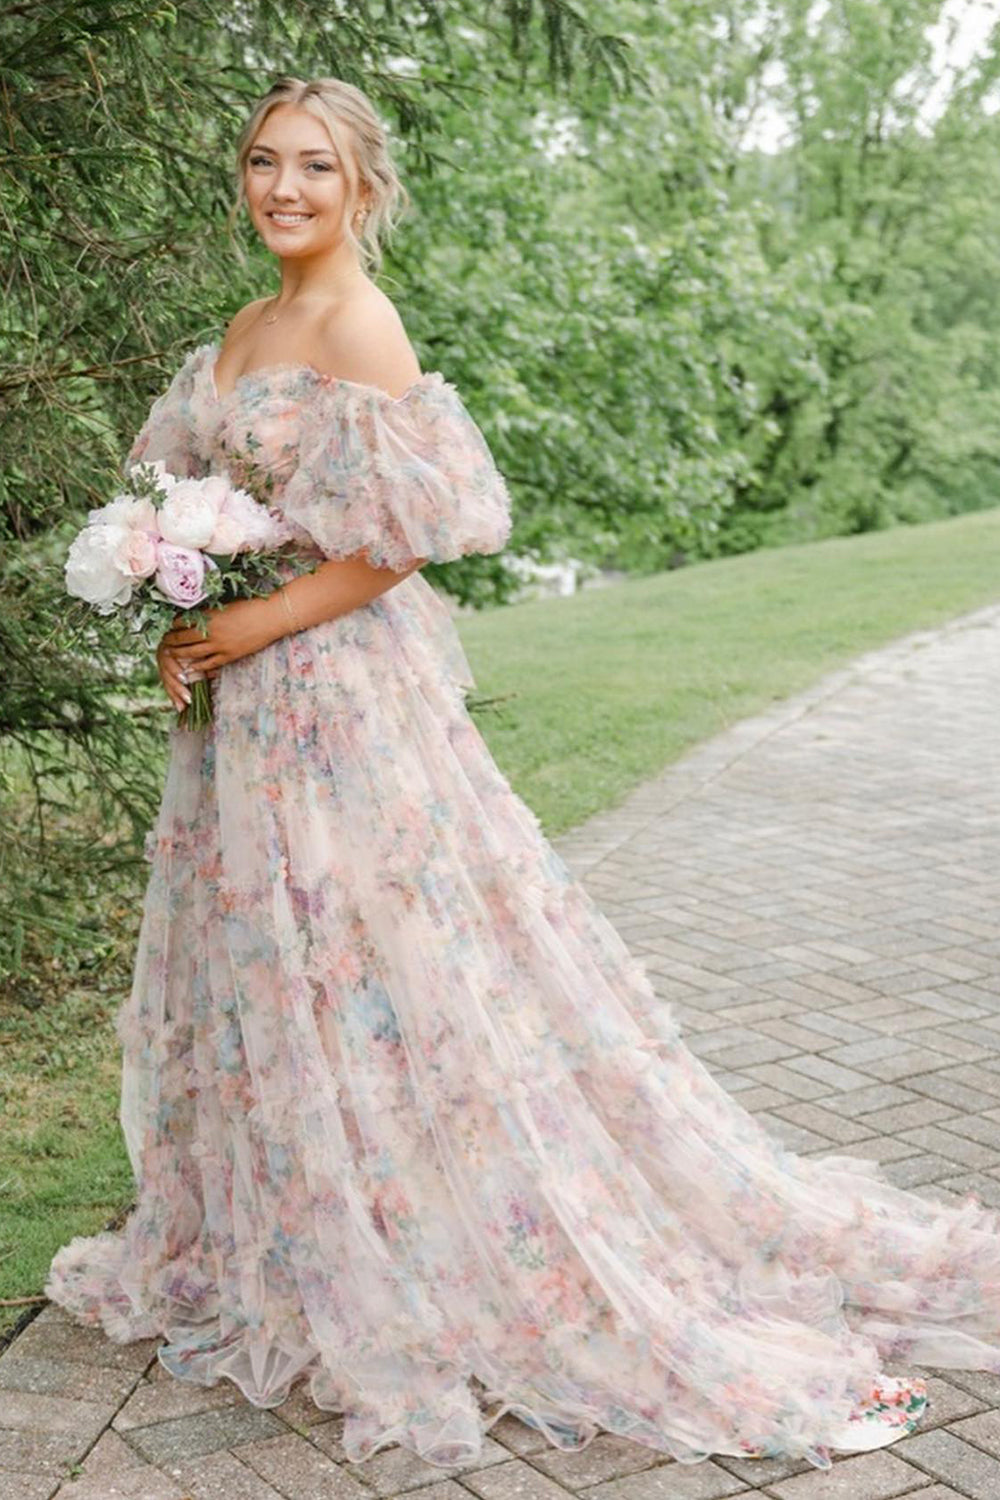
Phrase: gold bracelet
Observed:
(288, 605)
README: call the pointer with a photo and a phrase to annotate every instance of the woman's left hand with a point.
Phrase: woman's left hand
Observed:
(234, 630)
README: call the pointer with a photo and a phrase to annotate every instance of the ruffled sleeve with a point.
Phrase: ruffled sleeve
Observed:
(400, 479)
(170, 431)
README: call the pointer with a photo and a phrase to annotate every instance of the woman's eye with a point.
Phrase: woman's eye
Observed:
(265, 161)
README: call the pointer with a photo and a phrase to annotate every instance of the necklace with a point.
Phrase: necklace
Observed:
(272, 317)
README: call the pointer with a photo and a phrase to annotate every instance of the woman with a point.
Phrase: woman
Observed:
(405, 1117)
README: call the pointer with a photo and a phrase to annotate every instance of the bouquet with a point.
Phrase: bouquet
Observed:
(170, 543)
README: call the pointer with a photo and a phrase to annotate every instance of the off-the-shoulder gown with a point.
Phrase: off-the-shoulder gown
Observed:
(405, 1116)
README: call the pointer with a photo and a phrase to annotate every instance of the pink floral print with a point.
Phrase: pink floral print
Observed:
(406, 1119)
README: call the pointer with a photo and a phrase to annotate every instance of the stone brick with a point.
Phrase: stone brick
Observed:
(981, 1383)
(671, 1481)
(949, 1090)
(881, 1148)
(987, 1188)
(761, 1471)
(162, 1400)
(513, 1480)
(517, 1435)
(169, 1443)
(221, 1476)
(395, 1470)
(793, 1137)
(149, 1485)
(905, 1062)
(41, 1452)
(863, 1476)
(915, 1171)
(27, 1487)
(53, 1377)
(68, 1341)
(607, 1456)
(855, 1102)
(299, 1471)
(834, 1026)
(22, 1410)
(976, 1128)
(982, 1430)
(943, 1141)
(901, 1117)
(824, 1122)
(778, 1076)
(944, 1456)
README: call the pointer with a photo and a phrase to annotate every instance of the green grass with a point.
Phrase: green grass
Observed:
(609, 686)
(606, 688)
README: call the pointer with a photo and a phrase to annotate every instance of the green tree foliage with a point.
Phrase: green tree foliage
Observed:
(878, 397)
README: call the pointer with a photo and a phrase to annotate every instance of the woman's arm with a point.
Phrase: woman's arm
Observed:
(238, 629)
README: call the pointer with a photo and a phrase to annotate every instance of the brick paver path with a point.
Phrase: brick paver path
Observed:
(817, 892)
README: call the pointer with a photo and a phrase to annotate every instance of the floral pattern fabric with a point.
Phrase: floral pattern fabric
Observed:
(406, 1119)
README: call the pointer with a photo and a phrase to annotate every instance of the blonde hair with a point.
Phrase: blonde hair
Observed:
(362, 145)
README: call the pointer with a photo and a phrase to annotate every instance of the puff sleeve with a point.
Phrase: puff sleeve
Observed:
(169, 431)
(400, 478)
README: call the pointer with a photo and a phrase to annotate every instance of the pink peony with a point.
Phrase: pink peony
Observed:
(180, 576)
(136, 555)
(228, 536)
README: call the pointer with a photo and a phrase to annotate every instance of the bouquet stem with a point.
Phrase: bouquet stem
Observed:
(198, 713)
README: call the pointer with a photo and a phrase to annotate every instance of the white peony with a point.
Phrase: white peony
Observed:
(259, 529)
(126, 510)
(92, 570)
(188, 515)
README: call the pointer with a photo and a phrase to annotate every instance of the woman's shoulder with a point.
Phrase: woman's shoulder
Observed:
(363, 342)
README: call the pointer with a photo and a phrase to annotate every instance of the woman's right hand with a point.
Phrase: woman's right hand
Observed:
(175, 687)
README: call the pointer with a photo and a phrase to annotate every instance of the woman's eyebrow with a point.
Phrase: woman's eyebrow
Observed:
(313, 151)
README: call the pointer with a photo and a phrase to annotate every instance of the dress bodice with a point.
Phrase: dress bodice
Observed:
(349, 466)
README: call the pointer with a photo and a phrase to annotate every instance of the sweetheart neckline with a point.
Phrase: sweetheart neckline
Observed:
(221, 398)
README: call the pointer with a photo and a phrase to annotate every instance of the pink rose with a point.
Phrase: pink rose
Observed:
(180, 576)
(136, 555)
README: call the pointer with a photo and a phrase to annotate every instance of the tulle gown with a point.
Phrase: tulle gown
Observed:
(406, 1118)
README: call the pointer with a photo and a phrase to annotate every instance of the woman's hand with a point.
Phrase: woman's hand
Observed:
(234, 630)
(173, 685)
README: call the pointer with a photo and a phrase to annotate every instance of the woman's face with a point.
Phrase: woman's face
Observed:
(295, 183)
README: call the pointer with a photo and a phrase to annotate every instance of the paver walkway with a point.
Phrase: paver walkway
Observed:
(817, 892)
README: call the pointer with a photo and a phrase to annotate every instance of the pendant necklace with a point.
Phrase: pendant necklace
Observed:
(272, 317)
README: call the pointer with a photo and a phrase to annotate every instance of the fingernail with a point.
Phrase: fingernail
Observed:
(187, 696)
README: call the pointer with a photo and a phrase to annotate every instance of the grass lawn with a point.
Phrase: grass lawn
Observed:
(600, 690)
(609, 686)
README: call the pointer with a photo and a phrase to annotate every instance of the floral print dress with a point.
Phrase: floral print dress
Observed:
(406, 1119)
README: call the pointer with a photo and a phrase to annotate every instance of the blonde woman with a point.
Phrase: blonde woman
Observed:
(406, 1119)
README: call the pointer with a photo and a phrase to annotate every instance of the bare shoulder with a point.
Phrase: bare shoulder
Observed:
(240, 320)
(364, 340)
